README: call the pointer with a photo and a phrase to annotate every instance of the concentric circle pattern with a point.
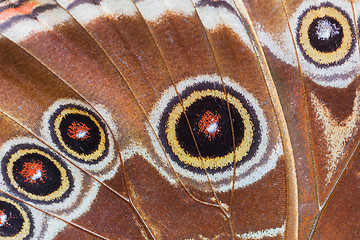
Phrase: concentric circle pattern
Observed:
(196, 133)
(15, 220)
(39, 176)
(36, 173)
(207, 113)
(325, 35)
(80, 133)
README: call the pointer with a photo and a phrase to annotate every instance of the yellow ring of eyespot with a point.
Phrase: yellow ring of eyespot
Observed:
(321, 57)
(209, 163)
(65, 183)
(85, 157)
(26, 224)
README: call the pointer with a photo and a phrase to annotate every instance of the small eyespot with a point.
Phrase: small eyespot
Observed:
(325, 35)
(79, 133)
(325, 40)
(36, 173)
(15, 220)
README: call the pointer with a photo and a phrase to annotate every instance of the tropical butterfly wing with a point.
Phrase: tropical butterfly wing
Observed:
(195, 189)
(22, 217)
(158, 81)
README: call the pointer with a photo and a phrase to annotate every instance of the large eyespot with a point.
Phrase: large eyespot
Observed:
(208, 116)
(36, 173)
(325, 35)
(15, 220)
(204, 106)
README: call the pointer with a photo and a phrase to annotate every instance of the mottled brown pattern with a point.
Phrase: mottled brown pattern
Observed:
(266, 13)
(182, 40)
(340, 219)
(129, 44)
(268, 202)
(72, 232)
(28, 88)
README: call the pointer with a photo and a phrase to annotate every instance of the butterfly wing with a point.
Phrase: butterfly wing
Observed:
(123, 107)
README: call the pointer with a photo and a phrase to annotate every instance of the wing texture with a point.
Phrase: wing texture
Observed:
(179, 119)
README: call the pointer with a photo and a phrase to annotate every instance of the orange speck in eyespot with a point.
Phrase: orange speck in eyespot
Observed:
(33, 171)
(78, 130)
(209, 124)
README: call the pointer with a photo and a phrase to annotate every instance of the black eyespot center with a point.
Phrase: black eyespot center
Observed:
(215, 138)
(326, 34)
(80, 133)
(13, 220)
(37, 174)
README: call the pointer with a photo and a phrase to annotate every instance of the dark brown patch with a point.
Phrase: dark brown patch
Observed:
(263, 204)
(339, 101)
(170, 211)
(182, 40)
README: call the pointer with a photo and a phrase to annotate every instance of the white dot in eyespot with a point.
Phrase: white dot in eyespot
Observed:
(212, 128)
(81, 134)
(325, 29)
(36, 175)
(3, 219)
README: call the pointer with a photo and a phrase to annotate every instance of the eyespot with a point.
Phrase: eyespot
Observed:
(15, 220)
(79, 133)
(208, 116)
(204, 106)
(325, 35)
(36, 173)
(325, 40)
